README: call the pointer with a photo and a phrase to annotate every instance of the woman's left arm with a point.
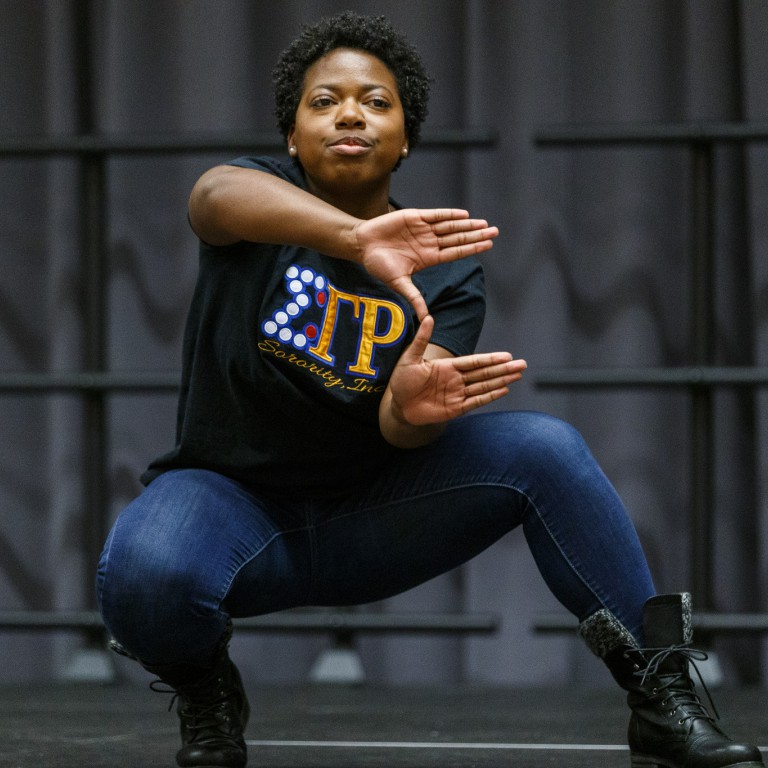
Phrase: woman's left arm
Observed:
(429, 387)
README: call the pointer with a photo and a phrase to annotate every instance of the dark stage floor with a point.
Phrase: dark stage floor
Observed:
(319, 726)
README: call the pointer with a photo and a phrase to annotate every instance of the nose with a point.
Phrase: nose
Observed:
(349, 114)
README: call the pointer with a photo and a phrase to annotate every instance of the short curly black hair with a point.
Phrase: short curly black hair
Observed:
(374, 35)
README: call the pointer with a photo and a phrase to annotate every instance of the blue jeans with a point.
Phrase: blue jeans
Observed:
(196, 547)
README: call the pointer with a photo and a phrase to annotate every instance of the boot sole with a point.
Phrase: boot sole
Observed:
(645, 761)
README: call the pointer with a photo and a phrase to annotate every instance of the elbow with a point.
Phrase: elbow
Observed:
(207, 210)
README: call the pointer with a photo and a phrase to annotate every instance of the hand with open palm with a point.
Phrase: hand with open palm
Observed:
(396, 245)
(431, 390)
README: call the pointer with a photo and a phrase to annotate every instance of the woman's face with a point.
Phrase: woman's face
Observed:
(350, 128)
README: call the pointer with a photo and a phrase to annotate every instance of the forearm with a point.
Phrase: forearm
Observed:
(229, 204)
(397, 431)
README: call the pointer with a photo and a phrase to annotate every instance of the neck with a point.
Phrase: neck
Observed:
(358, 203)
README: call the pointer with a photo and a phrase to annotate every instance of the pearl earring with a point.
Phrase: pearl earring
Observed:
(404, 153)
(292, 151)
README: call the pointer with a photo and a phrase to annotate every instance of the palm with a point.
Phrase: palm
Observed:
(430, 392)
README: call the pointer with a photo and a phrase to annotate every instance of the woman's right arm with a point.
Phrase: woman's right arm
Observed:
(229, 204)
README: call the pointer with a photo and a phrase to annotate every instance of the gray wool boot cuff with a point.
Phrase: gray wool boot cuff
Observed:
(603, 632)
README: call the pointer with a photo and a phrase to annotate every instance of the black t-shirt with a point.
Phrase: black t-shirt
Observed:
(287, 353)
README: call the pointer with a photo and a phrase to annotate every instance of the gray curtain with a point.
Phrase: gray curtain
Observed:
(591, 270)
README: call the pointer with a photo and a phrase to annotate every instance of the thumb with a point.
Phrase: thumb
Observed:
(417, 348)
(405, 287)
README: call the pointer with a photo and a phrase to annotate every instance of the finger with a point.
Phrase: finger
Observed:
(462, 251)
(485, 359)
(478, 401)
(433, 215)
(494, 376)
(459, 238)
(493, 372)
(483, 378)
(450, 226)
(491, 385)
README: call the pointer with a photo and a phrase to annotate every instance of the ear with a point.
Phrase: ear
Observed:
(291, 133)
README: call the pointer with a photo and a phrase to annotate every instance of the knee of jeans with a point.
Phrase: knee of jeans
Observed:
(551, 443)
(140, 586)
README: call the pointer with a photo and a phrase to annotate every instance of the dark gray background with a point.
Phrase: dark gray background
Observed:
(591, 269)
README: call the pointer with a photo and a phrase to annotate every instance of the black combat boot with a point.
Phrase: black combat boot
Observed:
(669, 727)
(213, 710)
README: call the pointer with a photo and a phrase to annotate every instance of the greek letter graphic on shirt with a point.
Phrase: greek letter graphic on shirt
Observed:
(318, 314)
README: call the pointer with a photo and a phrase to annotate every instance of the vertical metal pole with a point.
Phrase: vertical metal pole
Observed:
(95, 427)
(93, 282)
(702, 346)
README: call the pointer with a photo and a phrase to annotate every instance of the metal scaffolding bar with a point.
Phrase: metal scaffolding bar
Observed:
(197, 143)
(301, 621)
(708, 623)
(639, 377)
(700, 139)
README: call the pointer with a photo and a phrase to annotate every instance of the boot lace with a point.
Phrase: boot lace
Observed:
(678, 685)
(158, 686)
(213, 714)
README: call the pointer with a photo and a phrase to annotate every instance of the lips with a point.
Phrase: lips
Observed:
(351, 141)
(350, 146)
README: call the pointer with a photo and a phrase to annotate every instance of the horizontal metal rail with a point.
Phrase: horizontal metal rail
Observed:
(693, 376)
(286, 621)
(168, 381)
(650, 133)
(185, 144)
(126, 381)
(720, 623)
